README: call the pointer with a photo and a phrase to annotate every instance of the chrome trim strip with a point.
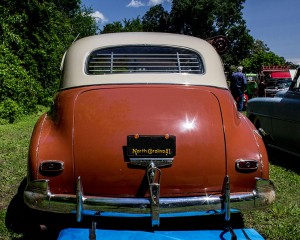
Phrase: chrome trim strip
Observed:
(144, 162)
(38, 196)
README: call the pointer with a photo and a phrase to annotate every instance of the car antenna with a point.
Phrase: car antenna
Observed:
(63, 58)
(76, 38)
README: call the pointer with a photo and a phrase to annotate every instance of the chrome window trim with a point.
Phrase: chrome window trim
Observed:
(130, 59)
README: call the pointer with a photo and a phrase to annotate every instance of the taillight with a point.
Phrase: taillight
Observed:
(246, 165)
(51, 167)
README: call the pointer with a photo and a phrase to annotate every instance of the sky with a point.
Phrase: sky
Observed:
(273, 21)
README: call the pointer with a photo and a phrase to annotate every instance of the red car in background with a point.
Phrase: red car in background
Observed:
(275, 79)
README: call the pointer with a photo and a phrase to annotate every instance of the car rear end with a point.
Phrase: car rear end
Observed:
(148, 129)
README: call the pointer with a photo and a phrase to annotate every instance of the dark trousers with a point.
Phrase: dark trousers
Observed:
(239, 98)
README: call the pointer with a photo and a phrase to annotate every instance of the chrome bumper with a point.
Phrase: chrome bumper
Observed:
(37, 195)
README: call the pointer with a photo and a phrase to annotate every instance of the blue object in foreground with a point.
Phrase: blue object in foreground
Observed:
(81, 233)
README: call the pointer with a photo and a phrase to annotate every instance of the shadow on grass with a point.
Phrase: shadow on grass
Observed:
(32, 224)
(283, 159)
(35, 225)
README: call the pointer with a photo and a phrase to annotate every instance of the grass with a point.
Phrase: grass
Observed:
(280, 221)
(14, 141)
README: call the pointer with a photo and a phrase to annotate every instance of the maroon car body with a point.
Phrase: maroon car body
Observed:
(144, 124)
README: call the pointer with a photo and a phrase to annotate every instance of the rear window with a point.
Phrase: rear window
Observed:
(144, 59)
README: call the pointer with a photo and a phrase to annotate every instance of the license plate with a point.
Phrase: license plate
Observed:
(151, 146)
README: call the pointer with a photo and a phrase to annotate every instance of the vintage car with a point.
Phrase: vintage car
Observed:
(144, 125)
(278, 118)
(275, 86)
(276, 79)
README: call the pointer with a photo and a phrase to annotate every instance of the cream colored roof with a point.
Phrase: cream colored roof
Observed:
(75, 59)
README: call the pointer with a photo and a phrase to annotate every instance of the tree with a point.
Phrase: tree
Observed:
(156, 20)
(132, 25)
(262, 58)
(260, 55)
(113, 27)
(38, 33)
(193, 17)
(18, 90)
(240, 46)
(206, 19)
(258, 46)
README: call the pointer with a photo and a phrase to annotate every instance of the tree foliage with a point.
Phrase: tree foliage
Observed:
(206, 19)
(127, 25)
(262, 58)
(156, 20)
(200, 18)
(35, 34)
(18, 90)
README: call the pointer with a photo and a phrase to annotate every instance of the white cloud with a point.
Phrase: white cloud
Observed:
(99, 17)
(138, 3)
(155, 2)
(135, 3)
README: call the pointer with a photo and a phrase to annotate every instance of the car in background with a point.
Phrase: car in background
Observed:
(276, 79)
(278, 118)
(275, 86)
(144, 125)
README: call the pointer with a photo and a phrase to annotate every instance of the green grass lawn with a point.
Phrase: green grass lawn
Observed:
(14, 142)
(280, 221)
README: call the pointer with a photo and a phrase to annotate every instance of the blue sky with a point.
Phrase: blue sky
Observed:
(273, 21)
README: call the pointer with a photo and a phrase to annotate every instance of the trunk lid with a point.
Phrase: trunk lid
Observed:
(105, 116)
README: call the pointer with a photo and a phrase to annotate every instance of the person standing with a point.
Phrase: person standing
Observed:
(237, 86)
(252, 89)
